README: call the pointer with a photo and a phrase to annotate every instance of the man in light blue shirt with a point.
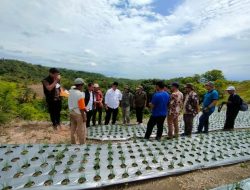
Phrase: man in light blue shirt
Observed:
(208, 107)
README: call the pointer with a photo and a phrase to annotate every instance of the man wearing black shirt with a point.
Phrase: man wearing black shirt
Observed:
(233, 108)
(51, 88)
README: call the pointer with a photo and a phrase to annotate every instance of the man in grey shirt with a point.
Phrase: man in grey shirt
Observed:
(126, 103)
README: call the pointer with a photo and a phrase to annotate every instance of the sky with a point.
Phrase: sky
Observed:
(134, 39)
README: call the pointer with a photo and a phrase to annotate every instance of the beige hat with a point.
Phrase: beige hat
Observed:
(140, 87)
(79, 81)
(96, 85)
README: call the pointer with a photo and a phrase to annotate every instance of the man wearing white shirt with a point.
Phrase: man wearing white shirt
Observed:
(89, 102)
(112, 101)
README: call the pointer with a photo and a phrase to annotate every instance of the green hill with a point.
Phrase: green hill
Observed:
(17, 100)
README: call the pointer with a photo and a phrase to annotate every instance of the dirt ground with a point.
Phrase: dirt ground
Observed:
(41, 132)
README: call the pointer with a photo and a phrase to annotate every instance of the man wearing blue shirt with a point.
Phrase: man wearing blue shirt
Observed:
(208, 107)
(159, 106)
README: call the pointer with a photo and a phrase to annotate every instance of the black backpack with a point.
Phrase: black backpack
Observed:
(243, 106)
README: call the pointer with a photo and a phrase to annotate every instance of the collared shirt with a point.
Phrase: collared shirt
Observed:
(191, 103)
(176, 103)
(127, 99)
(140, 99)
(160, 101)
(113, 98)
(99, 98)
(91, 101)
(76, 101)
(209, 97)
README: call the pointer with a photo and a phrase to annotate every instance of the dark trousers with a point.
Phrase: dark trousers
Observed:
(109, 112)
(188, 124)
(230, 119)
(139, 114)
(54, 108)
(89, 116)
(159, 121)
(204, 122)
(98, 111)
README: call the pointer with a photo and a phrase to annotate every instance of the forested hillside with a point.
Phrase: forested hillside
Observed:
(18, 100)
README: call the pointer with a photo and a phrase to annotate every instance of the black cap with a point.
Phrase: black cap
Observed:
(54, 70)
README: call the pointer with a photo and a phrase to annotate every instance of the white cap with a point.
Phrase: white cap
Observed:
(79, 81)
(96, 85)
(231, 88)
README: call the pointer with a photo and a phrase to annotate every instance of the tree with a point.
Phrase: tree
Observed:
(213, 75)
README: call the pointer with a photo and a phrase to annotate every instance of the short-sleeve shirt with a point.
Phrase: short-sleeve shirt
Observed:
(113, 98)
(160, 101)
(209, 97)
(76, 101)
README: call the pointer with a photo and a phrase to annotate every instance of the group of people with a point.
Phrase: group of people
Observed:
(170, 103)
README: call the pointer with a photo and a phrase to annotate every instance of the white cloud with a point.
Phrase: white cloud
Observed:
(129, 40)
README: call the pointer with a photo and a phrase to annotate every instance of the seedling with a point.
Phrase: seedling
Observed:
(97, 176)
(44, 163)
(52, 171)
(81, 168)
(6, 166)
(125, 174)
(138, 172)
(37, 173)
(171, 165)
(144, 161)
(6, 186)
(67, 170)
(24, 151)
(112, 174)
(82, 179)
(48, 182)
(66, 181)
(148, 167)
(160, 168)
(29, 184)
(154, 160)
(181, 163)
(59, 155)
(26, 164)
(18, 173)
(71, 161)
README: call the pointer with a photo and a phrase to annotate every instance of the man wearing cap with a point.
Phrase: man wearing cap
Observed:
(209, 102)
(98, 105)
(191, 109)
(126, 103)
(140, 102)
(233, 107)
(175, 107)
(112, 101)
(51, 88)
(89, 102)
(77, 110)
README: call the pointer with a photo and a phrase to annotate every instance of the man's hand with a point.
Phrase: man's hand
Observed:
(206, 109)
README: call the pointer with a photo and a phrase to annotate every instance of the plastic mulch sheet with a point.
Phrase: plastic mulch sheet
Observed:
(242, 185)
(117, 132)
(91, 166)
